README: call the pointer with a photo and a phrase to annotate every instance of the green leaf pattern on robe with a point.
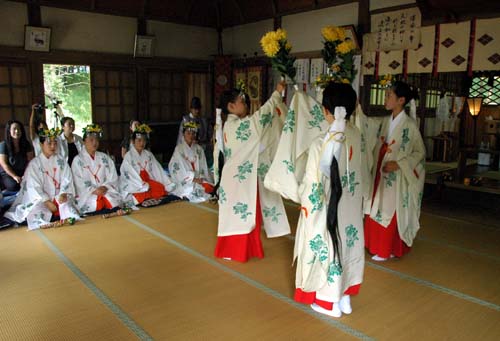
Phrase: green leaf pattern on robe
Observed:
(405, 139)
(320, 249)
(271, 212)
(316, 197)
(262, 170)
(352, 235)
(241, 209)
(318, 117)
(351, 181)
(243, 132)
(243, 170)
(289, 125)
(266, 119)
(290, 167)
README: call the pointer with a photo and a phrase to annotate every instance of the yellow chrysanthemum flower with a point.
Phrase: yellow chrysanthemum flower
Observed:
(345, 81)
(340, 33)
(345, 47)
(270, 44)
(288, 46)
(280, 34)
(329, 33)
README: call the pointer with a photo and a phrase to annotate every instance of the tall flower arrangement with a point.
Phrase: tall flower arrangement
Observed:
(338, 53)
(277, 47)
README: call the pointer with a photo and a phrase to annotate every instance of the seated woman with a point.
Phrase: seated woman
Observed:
(141, 175)
(15, 153)
(188, 166)
(94, 174)
(47, 189)
(69, 144)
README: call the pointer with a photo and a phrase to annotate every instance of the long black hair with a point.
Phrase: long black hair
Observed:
(401, 89)
(24, 145)
(337, 95)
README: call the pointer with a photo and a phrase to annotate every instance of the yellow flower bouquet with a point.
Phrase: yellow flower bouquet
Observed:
(338, 53)
(276, 46)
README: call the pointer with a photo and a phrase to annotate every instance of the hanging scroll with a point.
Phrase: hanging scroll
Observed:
(397, 30)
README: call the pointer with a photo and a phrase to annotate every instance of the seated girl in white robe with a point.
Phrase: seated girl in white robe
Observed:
(94, 174)
(188, 166)
(141, 175)
(47, 189)
(329, 246)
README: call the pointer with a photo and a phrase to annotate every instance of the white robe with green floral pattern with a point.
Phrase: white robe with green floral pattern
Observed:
(247, 151)
(400, 191)
(304, 122)
(90, 173)
(182, 172)
(316, 268)
(44, 179)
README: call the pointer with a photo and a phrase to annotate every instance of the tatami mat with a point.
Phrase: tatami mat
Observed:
(157, 265)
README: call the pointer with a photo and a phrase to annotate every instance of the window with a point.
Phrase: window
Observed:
(67, 93)
(486, 87)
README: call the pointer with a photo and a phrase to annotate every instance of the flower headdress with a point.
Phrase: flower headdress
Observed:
(191, 126)
(338, 53)
(143, 129)
(241, 87)
(276, 46)
(49, 133)
(386, 81)
(92, 129)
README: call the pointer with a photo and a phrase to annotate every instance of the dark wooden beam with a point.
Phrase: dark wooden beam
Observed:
(240, 11)
(189, 12)
(277, 22)
(34, 13)
(142, 20)
(92, 5)
(363, 19)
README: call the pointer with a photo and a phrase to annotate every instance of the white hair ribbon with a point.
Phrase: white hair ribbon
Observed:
(219, 136)
(413, 109)
(332, 142)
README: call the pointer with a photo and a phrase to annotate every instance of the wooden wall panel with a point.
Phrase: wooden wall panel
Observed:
(15, 93)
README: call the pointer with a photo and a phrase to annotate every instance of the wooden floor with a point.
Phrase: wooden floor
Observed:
(152, 275)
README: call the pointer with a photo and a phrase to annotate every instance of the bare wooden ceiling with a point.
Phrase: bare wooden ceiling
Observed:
(227, 13)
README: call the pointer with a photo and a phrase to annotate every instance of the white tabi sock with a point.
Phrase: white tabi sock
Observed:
(379, 259)
(335, 312)
(345, 304)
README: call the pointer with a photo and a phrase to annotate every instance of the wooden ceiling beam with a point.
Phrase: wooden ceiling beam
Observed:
(34, 13)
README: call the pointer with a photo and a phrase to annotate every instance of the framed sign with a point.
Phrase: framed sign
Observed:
(37, 38)
(350, 32)
(143, 46)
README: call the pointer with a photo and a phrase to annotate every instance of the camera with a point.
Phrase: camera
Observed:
(39, 110)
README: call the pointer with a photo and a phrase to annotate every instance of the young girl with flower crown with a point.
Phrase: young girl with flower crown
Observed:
(244, 204)
(47, 189)
(141, 175)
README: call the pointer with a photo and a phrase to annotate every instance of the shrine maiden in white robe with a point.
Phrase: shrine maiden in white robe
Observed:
(188, 163)
(316, 269)
(400, 191)
(130, 178)
(90, 173)
(247, 149)
(44, 179)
